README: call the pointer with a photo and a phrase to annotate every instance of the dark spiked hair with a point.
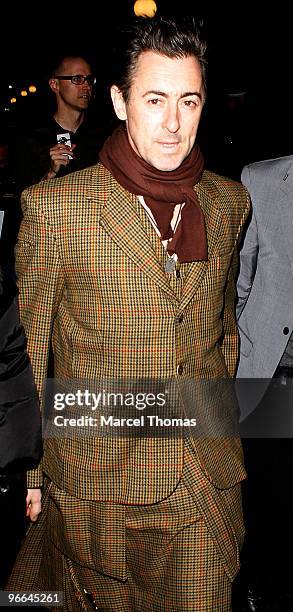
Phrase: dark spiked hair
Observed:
(174, 38)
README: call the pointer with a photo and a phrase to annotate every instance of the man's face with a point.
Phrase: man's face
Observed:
(69, 95)
(164, 108)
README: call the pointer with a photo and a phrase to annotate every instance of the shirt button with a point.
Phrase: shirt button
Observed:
(180, 369)
(286, 331)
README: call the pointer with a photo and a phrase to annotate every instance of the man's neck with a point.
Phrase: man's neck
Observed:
(69, 120)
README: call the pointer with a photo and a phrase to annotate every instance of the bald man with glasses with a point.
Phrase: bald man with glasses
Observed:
(68, 141)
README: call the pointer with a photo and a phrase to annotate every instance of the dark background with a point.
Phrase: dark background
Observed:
(249, 50)
(240, 38)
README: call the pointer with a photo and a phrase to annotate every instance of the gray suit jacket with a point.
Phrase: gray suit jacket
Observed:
(265, 283)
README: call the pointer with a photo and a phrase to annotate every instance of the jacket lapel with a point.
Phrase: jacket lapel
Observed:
(198, 269)
(285, 204)
(121, 221)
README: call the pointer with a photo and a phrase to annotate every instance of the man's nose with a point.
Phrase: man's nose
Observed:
(172, 118)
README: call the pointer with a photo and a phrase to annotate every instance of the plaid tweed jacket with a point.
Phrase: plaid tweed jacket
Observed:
(90, 278)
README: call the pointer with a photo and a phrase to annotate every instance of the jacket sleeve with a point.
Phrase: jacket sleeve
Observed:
(248, 254)
(20, 423)
(230, 337)
(229, 345)
(40, 287)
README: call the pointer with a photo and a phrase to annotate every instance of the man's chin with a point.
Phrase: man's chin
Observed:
(83, 105)
(167, 165)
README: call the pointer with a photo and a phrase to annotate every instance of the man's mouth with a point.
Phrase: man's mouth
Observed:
(166, 144)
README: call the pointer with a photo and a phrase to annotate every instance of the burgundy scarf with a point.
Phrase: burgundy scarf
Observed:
(162, 190)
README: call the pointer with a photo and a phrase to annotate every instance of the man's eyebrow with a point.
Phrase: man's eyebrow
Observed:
(165, 95)
(192, 93)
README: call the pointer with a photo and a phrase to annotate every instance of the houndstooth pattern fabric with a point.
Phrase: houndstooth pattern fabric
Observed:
(88, 273)
(91, 275)
(157, 557)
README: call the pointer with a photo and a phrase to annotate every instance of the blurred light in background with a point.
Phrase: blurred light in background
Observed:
(23, 93)
(32, 89)
(12, 100)
(145, 8)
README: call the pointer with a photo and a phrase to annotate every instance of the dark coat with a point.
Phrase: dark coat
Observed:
(20, 425)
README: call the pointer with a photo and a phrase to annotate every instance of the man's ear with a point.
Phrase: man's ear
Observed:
(53, 83)
(118, 103)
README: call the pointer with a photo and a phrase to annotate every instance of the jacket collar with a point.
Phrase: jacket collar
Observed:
(121, 221)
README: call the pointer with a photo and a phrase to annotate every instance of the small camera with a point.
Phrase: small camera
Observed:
(65, 139)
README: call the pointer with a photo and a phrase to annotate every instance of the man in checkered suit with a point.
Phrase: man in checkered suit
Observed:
(127, 267)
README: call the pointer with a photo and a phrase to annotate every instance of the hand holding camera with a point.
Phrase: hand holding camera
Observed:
(65, 139)
(61, 154)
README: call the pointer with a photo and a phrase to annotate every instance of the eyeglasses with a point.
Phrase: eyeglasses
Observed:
(78, 79)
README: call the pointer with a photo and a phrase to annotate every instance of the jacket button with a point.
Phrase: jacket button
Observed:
(180, 318)
(180, 369)
(286, 331)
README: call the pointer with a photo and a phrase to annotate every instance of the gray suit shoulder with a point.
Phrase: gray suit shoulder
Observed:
(265, 178)
(277, 167)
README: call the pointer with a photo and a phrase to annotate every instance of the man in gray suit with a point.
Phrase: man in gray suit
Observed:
(265, 284)
(265, 319)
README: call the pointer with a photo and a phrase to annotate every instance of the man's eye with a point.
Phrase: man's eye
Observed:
(190, 103)
(154, 101)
